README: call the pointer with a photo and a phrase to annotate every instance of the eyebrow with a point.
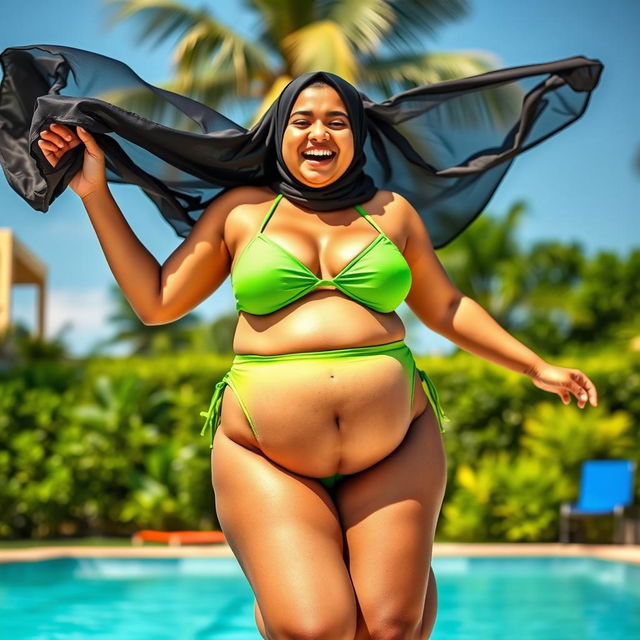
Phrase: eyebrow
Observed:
(329, 113)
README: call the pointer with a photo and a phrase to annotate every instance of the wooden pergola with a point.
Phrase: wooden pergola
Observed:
(18, 265)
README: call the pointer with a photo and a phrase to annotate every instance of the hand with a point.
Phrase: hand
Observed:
(564, 381)
(58, 139)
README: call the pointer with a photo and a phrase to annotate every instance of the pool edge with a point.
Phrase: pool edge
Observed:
(619, 553)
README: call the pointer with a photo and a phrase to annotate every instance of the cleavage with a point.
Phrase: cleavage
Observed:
(356, 248)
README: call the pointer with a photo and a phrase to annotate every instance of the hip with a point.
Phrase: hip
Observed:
(314, 411)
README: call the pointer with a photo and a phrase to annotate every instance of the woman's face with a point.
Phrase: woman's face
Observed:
(318, 120)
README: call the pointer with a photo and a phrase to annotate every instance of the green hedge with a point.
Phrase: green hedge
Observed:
(106, 446)
(515, 452)
(110, 446)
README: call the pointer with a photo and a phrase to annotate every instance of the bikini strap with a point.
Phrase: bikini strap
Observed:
(279, 197)
(272, 208)
(362, 212)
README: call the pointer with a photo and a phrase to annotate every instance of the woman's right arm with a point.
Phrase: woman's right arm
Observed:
(158, 294)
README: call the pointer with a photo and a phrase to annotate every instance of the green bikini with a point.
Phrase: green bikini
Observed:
(267, 277)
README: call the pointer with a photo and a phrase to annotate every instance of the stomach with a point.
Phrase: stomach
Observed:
(323, 319)
(320, 417)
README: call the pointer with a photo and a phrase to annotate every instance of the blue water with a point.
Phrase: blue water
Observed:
(197, 598)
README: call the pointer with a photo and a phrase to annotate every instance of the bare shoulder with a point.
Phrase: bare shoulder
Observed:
(245, 207)
(250, 194)
(392, 205)
(398, 217)
(402, 207)
(225, 205)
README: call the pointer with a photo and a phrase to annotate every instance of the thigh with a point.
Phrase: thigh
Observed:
(285, 532)
(389, 513)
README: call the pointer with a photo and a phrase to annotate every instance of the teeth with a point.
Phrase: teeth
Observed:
(319, 154)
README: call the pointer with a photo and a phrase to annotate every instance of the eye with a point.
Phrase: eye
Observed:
(335, 122)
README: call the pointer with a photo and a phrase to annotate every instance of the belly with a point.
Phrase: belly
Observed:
(324, 319)
(320, 417)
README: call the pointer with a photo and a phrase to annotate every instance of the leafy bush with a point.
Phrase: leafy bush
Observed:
(506, 497)
(109, 446)
(118, 450)
(514, 493)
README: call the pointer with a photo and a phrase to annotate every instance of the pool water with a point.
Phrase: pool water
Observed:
(203, 598)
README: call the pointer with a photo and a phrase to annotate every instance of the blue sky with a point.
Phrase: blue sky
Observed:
(580, 184)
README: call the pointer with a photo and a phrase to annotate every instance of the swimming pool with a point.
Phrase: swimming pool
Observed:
(201, 598)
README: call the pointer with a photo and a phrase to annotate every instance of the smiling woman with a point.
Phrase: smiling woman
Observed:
(328, 438)
(318, 143)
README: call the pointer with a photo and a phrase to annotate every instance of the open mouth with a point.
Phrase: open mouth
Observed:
(319, 159)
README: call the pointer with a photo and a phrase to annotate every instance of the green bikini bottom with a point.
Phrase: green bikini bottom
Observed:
(243, 366)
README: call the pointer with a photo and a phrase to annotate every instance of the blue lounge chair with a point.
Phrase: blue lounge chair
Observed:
(606, 487)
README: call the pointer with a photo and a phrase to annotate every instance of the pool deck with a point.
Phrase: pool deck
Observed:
(620, 553)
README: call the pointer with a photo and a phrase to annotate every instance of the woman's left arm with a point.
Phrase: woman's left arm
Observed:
(442, 307)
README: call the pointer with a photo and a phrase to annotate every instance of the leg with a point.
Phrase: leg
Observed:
(389, 512)
(285, 532)
(430, 607)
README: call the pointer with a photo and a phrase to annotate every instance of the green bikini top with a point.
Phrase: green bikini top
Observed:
(267, 277)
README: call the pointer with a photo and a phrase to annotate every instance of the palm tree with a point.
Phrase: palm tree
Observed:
(188, 333)
(214, 63)
(532, 293)
(145, 339)
(486, 263)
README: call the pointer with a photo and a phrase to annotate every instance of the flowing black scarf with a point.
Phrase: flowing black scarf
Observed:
(445, 147)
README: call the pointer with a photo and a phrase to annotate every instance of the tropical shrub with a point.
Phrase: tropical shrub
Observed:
(110, 446)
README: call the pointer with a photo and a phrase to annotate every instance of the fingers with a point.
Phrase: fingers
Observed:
(89, 141)
(63, 131)
(57, 139)
(566, 398)
(50, 151)
(54, 141)
(583, 389)
(57, 135)
(48, 146)
(591, 391)
(565, 382)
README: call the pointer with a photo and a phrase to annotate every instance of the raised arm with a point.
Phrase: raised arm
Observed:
(158, 294)
(161, 294)
(442, 307)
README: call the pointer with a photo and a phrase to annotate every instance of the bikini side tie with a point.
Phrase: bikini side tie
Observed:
(432, 394)
(212, 415)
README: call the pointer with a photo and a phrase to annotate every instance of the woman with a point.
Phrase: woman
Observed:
(329, 472)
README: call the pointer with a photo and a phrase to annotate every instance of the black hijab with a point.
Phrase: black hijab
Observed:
(354, 185)
(445, 147)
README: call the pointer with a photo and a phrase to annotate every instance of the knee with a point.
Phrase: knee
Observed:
(305, 632)
(305, 628)
(403, 627)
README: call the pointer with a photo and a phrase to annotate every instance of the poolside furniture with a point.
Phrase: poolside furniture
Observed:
(176, 538)
(606, 487)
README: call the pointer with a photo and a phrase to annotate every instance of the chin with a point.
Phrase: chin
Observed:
(310, 182)
(320, 183)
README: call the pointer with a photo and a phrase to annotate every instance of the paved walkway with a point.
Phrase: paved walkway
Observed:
(621, 553)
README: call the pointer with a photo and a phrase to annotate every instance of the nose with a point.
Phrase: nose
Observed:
(318, 131)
